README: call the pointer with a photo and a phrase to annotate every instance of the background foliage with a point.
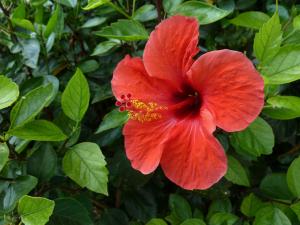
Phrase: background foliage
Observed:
(62, 158)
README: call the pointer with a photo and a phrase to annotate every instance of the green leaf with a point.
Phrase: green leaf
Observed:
(157, 222)
(251, 19)
(268, 40)
(53, 21)
(38, 130)
(43, 162)
(256, 140)
(85, 164)
(88, 66)
(275, 186)
(250, 205)
(293, 180)
(126, 30)
(283, 107)
(26, 24)
(9, 92)
(30, 52)
(35, 210)
(193, 222)
(19, 12)
(76, 96)
(94, 22)
(15, 190)
(30, 105)
(180, 209)
(271, 216)
(223, 219)
(171, 5)
(70, 3)
(284, 67)
(145, 13)
(92, 4)
(236, 173)
(69, 211)
(204, 12)
(4, 153)
(105, 47)
(113, 119)
(296, 208)
(296, 22)
(219, 205)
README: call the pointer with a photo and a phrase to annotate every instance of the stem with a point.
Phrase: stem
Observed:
(159, 9)
(118, 9)
(133, 7)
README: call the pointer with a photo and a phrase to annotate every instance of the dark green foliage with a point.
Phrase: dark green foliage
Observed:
(62, 159)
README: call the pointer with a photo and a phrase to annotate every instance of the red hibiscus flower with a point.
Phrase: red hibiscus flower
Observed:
(175, 103)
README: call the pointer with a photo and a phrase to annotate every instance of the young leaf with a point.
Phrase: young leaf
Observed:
(92, 4)
(256, 140)
(204, 12)
(268, 40)
(112, 120)
(293, 180)
(30, 105)
(283, 107)
(35, 210)
(38, 130)
(271, 216)
(76, 96)
(127, 30)
(4, 153)
(236, 173)
(284, 67)
(252, 19)
(9, 92)
(85, 164)
(26, 24)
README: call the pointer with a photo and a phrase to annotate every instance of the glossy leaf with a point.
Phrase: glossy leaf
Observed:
(104, 48)
(293, 180)
(268, 40)
(85, 164)
(35, 210)
(204, 12)
(255, 140)
(126, 30)
(92, 4)
(76, 96)
(9, 92)
(284, 67)
(254, 19)
(271, 216)
(4, 153)
(30, 105)
(113, 119)
(283, 107)
(236, 173)
(38, 130)
(250, 205)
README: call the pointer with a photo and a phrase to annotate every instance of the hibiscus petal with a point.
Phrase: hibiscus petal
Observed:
(130, 77)
(230, 87)
(144, 143)
(193, 158)
(170, 48)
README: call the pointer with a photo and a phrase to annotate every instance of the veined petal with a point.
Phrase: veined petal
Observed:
(170, 48)
(130, 77)
(230, 87)
(145, 142)
(193, 158)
